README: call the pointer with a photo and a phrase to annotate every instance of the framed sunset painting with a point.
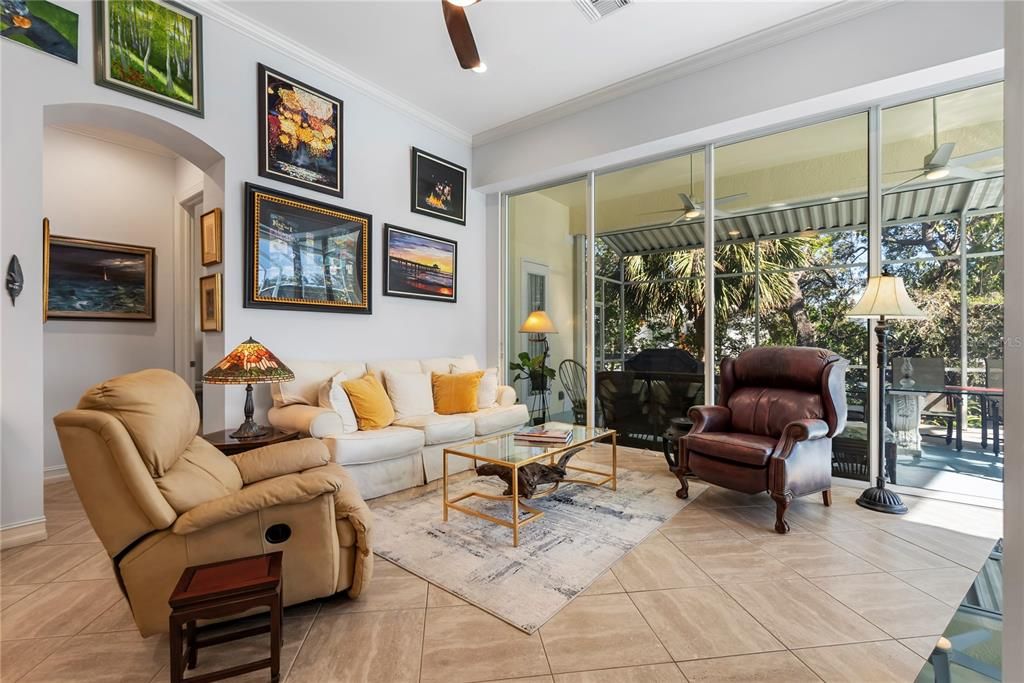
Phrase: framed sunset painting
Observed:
(300, 133)
(419, 266)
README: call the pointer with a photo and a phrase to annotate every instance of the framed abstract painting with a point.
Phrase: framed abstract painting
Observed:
(438, 187)
(93, 280)
(300, 133)
(151, 49)
(419, 266)
(211, 317)
(305, 255)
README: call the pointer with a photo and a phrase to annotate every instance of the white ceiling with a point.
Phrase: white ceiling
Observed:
(538, 53)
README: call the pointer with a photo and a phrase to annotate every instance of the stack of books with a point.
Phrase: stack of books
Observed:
(543, 436)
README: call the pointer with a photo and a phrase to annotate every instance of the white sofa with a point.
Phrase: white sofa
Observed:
(409, 452)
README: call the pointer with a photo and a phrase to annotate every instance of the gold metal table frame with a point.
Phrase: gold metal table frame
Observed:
(467, 450)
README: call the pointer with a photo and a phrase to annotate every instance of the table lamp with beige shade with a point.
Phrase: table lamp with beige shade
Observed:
(884, 298)
(250, 363)
(538, 325)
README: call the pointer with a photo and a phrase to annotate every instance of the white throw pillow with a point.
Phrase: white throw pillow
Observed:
(487, 394)
(410, 392)
(332, 395)
(464, 364)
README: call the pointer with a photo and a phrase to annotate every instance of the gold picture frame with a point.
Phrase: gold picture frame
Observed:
(93, 280)
(211, 237)
(211, 317)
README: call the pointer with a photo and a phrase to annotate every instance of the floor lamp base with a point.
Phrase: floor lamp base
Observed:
(881, 499)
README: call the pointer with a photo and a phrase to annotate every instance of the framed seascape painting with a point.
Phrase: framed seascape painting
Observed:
(211, 237)
(42, 25)
(210, 306)
(88, 279)
(152, 49)
(419, 266)
(304, 255)
(438, 187)
(300, 133)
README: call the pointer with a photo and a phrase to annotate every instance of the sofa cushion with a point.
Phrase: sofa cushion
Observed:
(441, 428)
(309, 376)
(359, 448)
(409, 392)
(748, 449)
(499, 418)
(455, 394)
(333, 396)
(370, 402)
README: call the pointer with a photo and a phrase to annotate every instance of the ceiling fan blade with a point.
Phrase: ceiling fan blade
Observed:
(975, 157)
(893, 189)
(966, 173)
(940, 156)
(652, 213)
(919, 169)
(688, 204)
(730, 198)
(461, 35)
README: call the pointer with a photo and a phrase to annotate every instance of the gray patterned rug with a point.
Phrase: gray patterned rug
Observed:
(584, 531)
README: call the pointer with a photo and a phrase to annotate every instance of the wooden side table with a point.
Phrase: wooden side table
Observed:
(211, 591)
(229, 446)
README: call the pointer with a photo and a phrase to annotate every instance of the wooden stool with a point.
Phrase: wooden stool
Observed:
(221, 589)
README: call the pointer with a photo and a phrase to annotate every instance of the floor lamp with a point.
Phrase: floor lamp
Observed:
(884, 298)
(538, 325)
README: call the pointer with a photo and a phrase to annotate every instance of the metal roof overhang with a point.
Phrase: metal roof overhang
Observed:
(929, 203)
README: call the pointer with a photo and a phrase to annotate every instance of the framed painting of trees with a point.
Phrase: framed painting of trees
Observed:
(151, 49)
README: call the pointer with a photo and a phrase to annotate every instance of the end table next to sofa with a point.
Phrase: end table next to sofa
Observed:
(231, 446)
(505, 450)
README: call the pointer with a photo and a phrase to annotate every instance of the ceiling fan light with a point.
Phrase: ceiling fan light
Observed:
(693, 213)
(937, 174)
(480, 68)
(463, 3)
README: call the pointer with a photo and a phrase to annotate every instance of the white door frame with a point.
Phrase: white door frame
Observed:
(185, 281)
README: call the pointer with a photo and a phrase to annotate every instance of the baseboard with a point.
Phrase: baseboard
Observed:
(23, 533)
(55, 473)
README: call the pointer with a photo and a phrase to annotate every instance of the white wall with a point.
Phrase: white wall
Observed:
(733, 92)
(377, 138)
(128, 198)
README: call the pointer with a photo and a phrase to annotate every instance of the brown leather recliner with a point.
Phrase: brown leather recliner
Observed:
(160, 498)
(778, 409)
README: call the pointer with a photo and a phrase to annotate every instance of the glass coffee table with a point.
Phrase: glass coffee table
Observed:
(505, 451)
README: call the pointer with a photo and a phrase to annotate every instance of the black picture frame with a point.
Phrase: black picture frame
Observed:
(427, 172)
(314, 217)
(268, 101)
(398, 284)
(104, 64)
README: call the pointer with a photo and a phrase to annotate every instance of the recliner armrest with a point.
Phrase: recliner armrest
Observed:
(312, 420)
(288, 489)
(279, 459)
(806, 430)
(710, 419)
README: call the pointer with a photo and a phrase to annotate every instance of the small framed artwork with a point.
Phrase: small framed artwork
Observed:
(300, 133)
(210, 304)
(41, 25)
(93, 280)
(212, 237)
(304, 255)
(419, 266)
(151, 49)
(438, 187)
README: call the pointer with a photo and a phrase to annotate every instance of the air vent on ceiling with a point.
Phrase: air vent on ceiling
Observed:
(599, 9)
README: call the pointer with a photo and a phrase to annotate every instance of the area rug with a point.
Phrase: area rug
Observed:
(584, 531)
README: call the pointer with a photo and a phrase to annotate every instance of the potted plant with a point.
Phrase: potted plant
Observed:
(532, 368)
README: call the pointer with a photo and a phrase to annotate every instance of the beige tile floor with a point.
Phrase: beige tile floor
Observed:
(714, 596)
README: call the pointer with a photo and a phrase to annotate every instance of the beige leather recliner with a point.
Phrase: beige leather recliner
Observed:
(160, 498)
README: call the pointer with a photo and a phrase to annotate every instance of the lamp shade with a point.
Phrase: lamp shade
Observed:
(538, 322)
(885, 295)
(250, 363)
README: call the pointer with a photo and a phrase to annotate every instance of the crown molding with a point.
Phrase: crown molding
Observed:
(825, 17)
(232, 18)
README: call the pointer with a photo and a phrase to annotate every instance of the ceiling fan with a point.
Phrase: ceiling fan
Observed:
(690, 209)
(461, 34)
(940, 163)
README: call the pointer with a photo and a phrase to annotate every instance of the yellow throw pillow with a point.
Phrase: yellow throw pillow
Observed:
(370, 402)
(456, 393)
